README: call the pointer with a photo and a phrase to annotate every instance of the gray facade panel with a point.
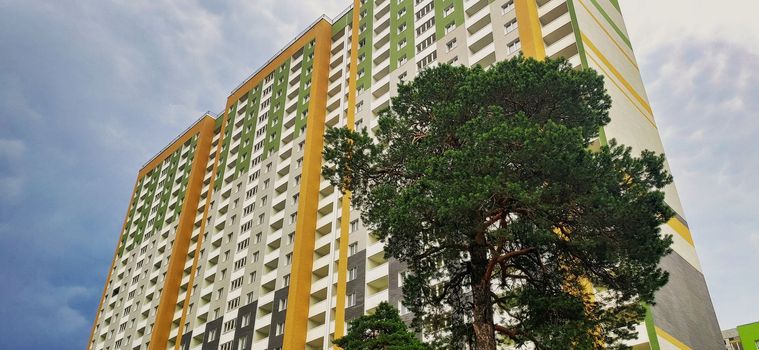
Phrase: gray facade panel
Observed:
(277, 317)
(245, 333)
(213, 325)
(683, 307)
(356, 286)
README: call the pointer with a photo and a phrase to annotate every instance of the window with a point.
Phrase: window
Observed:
(427, 60)
(351, 299)
(449, 27)
(402, 308)
(280, 328)
(401, 12)
(514, 47)
(425, 10)
(245, 320)
(293, 217)
(354, 226)
(288, 259)
(426, 43)
(450, 45)
(228, 326)
(507, 7)
(211, 336)
(258, 237)
(448, 10)
(237, 283)
(352, 273)
(286, 280)
(226, 346)
(425, 26)
(401, 277)
(240, 263)
(243, 244)
(282, 305)
(252, 276)
(248, 209)
(510, 27)
(401, 43)
(353, 248)
(233, 304)
(401, 28)
(242, 343)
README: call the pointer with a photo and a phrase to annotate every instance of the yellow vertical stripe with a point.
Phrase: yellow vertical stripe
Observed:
(674, 341)
(199, 244)
(614, 41)
(617, 74)
(622, 90)
(342, 262)
(299, 294)
(681, 229)
(530, 33)
(167, 304)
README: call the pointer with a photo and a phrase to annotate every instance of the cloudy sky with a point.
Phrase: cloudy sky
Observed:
(89, 90)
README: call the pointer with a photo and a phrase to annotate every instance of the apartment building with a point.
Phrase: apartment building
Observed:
(233, 240)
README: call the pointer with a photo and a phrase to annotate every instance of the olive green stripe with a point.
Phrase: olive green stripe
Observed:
(611, 23)
(615, 3)
(576, 30)
(653, 339)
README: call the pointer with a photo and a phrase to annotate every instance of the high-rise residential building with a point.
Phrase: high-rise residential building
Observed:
(233, 240)
(743, 337)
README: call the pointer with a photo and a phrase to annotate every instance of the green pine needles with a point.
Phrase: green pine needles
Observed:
(517, 226)
(383, 330)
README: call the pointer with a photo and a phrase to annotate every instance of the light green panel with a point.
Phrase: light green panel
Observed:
(304, 91)
(231, 114)
(408, 34)
(442, 21)
(148, 186)
(749, 334)
(277, 109)
(367, 36)
(247, 138)
(339, 25)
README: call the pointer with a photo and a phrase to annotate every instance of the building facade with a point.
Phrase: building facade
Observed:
(233, 240)
(744, 337)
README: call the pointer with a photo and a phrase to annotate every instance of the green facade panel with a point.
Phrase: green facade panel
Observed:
(749, 334)
(442, 21)
(397, 36)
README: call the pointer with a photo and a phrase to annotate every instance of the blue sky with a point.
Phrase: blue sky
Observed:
(89, 90)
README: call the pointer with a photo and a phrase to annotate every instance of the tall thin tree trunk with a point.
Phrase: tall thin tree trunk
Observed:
(482, 321)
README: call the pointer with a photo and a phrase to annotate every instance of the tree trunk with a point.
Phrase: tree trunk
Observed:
(482, 321)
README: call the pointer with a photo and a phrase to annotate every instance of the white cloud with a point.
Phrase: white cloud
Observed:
(706, 110)
(653, 24)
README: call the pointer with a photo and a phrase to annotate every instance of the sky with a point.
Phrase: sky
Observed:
(90, 90)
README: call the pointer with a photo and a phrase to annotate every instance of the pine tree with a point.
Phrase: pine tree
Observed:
(383, 330)
(517, 224)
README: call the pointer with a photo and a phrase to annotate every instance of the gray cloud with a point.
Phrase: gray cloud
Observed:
(698, 63)
(89, 90)
(704, 95)
(92, 89)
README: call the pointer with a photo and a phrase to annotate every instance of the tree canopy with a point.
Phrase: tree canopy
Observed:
(517, 223)
(383, 330)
